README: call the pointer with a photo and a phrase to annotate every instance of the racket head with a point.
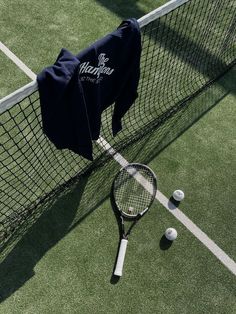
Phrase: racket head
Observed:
(134, 189)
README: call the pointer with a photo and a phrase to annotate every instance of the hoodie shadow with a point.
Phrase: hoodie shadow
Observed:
(18, 267)
(55, 221)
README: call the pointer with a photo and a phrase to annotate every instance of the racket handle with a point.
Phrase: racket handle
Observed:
(121, 258)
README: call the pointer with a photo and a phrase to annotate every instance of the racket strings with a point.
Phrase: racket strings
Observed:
(134, 189)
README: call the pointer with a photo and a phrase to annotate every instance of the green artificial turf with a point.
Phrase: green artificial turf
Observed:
(204, 166)
(11, 77)
(36, 31)
(201, 161)
(74, 275)
(64, 261)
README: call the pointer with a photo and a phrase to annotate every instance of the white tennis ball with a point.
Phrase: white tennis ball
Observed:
(171, 234)
(178, 195)
(131, 209)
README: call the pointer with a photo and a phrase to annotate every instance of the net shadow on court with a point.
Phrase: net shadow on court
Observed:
(178, 86)
(51, 222)
(145, 146)
(67, 208)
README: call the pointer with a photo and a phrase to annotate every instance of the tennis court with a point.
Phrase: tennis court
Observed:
(62, 254)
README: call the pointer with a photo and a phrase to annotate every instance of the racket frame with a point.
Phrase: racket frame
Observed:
(135, 218)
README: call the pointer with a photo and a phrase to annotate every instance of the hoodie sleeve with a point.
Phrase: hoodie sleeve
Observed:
(63, 108)
(132, 53)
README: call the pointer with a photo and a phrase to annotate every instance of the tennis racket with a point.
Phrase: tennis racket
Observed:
(134, 189)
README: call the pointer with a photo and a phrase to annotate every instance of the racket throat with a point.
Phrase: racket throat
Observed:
(143, 212)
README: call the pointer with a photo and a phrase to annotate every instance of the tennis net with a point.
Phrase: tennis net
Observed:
(187, 45)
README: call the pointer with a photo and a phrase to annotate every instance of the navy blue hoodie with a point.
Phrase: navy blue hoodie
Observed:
(77, 89)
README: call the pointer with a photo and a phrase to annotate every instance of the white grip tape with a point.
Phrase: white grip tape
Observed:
(121, 258)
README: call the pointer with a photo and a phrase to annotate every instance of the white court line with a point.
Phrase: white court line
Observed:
(17, 61)
(197, 232)
(180, 216)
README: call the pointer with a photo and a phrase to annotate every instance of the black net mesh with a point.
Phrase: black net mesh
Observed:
(183, 53)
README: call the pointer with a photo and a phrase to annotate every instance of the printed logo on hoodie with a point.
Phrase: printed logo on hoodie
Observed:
(85, 67)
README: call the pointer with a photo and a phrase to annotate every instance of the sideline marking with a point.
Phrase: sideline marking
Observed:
(194, 229)
(178, 214)
(17, 61)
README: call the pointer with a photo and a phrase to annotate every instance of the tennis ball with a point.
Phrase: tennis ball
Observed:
(171, 234)
(178, 195)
